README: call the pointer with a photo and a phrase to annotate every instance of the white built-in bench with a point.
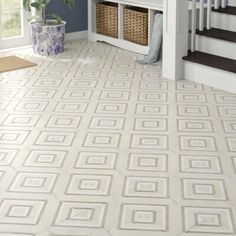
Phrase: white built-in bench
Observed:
(152, 5)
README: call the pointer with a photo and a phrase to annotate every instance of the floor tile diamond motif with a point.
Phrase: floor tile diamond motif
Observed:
(94, 144)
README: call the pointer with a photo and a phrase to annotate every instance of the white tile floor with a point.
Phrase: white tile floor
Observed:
(92, 144)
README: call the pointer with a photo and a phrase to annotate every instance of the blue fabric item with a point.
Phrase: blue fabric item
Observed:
(155, 50)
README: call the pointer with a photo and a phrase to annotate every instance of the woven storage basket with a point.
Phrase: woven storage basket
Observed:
(136, 25)
(107, 19)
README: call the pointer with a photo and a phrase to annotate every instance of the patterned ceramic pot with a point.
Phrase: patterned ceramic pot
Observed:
(48, 40)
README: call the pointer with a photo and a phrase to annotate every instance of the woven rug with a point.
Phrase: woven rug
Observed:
(14, 63)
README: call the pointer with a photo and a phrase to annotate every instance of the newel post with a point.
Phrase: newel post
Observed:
(175, 38)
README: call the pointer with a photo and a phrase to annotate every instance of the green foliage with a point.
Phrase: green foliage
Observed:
(11, 25)
(41, 6)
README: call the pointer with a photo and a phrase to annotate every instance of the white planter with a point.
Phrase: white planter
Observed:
(48, 40)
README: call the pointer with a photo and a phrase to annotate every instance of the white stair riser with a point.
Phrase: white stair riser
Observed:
(223, 21)
(217, 47)
(232, 3)
(216, 78)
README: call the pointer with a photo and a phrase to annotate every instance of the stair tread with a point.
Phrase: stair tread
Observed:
(228, 10)
(218, 34)
(212, 61)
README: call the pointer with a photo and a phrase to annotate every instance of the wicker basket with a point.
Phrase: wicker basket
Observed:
(107, 19)
(136, 25)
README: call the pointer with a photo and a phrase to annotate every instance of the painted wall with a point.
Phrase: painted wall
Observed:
(77, 18)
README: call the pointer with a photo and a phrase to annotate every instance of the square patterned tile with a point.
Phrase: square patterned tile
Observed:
(148, 162)
(33, 182)
(208, 220)
(45, 158)
(7, 156)
(81, 215)
(197, 143)
(101, 140)
(200, 164)
(144, 217)
(146, 187)
(94, 144)
(48, 138)
(143, 141)
(204, 189)
(96, 160)
(101, 123)
(21, 211)
(95, 185)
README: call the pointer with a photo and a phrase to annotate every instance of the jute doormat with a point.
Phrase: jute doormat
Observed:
(14, 63)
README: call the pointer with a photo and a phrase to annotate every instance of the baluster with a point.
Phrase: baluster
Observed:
(223, 4)
(217, 4)
(193, 26)
(209, 4)
(201, 15)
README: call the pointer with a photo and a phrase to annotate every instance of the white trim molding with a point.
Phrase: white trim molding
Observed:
(210, 76)
(76, 35)
(68, 37)
(175, 38)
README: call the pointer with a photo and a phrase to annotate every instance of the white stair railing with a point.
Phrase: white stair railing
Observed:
(217, 4)
(201, 15)
(198, 9)
(209, 6)
(193, 25)
(223, 4)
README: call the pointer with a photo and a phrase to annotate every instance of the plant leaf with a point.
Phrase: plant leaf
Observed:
(37, 5)
(70, 3)
(26, 4)
(56, 17)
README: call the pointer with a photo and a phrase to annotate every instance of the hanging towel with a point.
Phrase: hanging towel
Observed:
(155, 50)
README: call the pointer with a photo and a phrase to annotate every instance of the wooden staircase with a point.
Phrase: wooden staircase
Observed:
(212, 58)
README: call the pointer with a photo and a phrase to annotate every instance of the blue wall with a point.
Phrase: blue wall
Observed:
(76, 18)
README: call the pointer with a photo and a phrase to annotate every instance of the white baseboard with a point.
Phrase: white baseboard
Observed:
(77, 35)
(213, 77)
(121, 43)
(15, 48)
(68, 37)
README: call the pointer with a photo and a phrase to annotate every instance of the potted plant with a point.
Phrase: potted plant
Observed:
(47, 34)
